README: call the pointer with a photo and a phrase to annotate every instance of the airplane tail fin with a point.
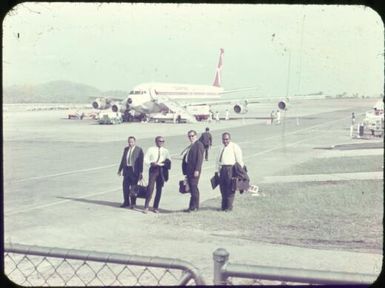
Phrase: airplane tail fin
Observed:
(217, 80)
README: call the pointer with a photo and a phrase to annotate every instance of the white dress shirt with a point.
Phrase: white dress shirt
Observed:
(152, 155)
(229, 155)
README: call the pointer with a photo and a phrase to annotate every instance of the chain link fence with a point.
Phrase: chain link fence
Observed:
(43, 266)
(37, 266)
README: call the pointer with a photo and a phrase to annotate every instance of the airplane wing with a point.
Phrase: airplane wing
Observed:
(102, 103)
(240, 104)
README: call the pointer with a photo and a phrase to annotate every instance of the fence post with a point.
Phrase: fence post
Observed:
(220, 256)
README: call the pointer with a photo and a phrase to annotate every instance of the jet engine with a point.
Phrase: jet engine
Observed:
(101, 103)
(116, 107)
(121, 106)
(283, 104)
(240, 108)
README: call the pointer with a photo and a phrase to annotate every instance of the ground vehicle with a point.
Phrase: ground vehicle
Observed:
(110, 118)
(374, 120)
(76, 115)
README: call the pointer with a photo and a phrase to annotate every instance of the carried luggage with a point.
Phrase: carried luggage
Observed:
(140, 190)
(183, 186)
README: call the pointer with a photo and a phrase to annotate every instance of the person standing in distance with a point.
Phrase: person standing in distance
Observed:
(191, 167)
(207, 141)
(230, 154)
(158, 158)
(132, 167)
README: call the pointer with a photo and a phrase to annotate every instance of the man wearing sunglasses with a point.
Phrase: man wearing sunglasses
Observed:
(158, 158)
(191, 167)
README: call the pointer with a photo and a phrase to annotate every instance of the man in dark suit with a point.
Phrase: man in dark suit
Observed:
(191, 167)
(207, 141)
(132, 167)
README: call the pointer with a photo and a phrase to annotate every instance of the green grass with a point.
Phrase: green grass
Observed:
(337, 165)
(330, 215)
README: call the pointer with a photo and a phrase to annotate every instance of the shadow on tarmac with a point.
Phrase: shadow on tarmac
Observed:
(97, 202)
(138, 208)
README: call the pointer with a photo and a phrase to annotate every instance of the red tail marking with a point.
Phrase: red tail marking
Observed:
(217, 80)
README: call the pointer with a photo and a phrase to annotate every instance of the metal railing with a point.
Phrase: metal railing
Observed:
(43, 266)
(225, 274)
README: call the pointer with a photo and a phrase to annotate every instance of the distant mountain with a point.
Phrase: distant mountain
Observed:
(56, 92)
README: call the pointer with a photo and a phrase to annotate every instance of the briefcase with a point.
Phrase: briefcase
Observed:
(184, 187)
(240, 184)
(214, 180)
(139, 191)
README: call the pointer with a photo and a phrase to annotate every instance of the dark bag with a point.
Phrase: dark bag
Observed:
(214, 180)
(240, 184)
(139, 191)
(184, 187)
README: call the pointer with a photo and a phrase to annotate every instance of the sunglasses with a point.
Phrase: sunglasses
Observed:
(160, 141)
(191, 135)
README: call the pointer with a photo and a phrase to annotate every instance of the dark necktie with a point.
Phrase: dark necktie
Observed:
(220, 157)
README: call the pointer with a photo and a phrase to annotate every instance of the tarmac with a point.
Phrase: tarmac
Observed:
(61, 187)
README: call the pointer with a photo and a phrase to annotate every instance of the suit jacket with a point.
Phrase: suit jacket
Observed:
(240, 172)
(194, 160)
(164, 170)
(241, 180)
(137, 157)
(206, 139)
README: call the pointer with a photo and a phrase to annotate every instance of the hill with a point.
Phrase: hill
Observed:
(56, 92)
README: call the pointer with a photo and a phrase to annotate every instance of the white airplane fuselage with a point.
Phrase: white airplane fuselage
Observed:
(151, 97)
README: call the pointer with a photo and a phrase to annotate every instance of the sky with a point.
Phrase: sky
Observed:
(280, 49)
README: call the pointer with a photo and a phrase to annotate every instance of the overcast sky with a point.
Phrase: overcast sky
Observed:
(307, 48)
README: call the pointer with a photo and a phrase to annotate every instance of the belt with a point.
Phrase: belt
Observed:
(225, 166)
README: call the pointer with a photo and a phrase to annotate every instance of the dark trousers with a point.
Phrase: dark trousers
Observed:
(194, 199)
(207, 152)
(154, 176)
(225, 186)
(130, 180)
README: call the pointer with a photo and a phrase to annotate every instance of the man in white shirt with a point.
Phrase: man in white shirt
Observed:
(230, 154)
(156, 157)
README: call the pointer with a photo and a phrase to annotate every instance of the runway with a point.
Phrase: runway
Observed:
(61, 187)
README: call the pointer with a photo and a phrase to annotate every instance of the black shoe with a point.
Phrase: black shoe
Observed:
(123, 205)
(132, 206)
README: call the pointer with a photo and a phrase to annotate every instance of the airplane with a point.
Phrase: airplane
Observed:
(151, 98)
